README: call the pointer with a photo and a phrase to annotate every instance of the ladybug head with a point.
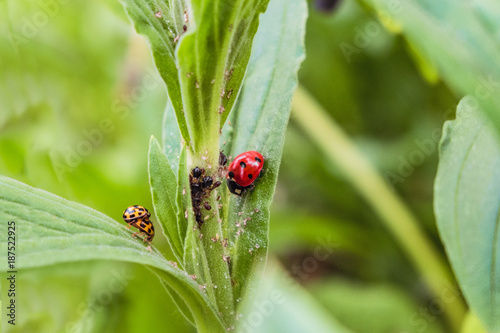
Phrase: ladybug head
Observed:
(234, 188)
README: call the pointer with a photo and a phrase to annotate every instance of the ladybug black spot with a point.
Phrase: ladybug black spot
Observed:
(132, 215)
(143, 225)
(250, 176)
(242, 164)
(258, 160)
(231, 174)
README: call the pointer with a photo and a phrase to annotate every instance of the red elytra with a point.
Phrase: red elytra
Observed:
(245, 168)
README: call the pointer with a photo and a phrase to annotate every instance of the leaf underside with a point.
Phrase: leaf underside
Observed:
(467, 201)
(161, 22)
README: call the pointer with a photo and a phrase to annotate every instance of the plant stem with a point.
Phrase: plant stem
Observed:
(357, 170)
(211, 233)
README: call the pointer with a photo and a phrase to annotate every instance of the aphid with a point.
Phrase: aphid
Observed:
(222, 159)
(197, 172)
(201, 187)
(207, 182)
(243, 171)
(228, 74)
(137, 216)
(196, 190)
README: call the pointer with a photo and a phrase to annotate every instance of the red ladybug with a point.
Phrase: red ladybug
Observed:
(243, 171)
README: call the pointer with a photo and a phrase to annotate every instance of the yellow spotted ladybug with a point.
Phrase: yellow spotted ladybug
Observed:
(137, 216)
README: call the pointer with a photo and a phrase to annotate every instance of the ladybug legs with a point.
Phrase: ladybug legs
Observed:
(140, 233)
(146, 239)
(149, 239)
(132, 224)
(237, 189)
(149, 247)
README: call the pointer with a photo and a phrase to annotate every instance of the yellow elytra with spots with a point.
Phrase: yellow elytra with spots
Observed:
(138, 216)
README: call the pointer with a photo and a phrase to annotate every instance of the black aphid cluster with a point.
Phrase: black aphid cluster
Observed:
(201, 186)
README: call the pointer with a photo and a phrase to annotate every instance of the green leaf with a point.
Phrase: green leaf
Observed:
(460, 41)
(281, 305)
(161, 22)
(164, 192)
(466, 201)
(52, 230)
(259, 123)
(212, 60)
(183, 195)
(394, 214)
(179, 302)
(171, 137)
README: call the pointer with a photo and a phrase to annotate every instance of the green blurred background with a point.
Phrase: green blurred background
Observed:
(80, 98)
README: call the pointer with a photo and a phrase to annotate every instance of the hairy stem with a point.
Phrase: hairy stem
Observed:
(212, 235)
